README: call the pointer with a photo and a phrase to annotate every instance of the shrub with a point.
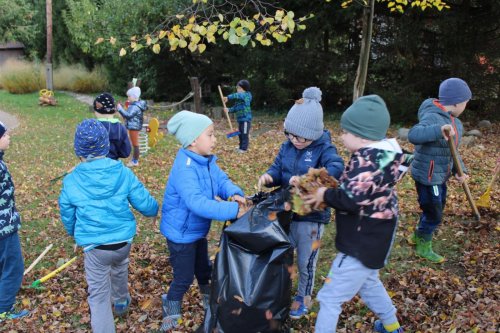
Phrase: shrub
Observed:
(78, 79)
(21, 77)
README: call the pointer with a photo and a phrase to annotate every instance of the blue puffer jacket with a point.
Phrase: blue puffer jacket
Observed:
(294, 162)
(10, 221)
(94, 202)
(189, 204)
(134, 114)
(433, 163)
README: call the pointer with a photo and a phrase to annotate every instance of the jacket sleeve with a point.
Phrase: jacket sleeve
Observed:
(140, 198)
(275, 170)
(199, 204)
(237, 106)
(67, 211)
(132, 111)
(225, 187)
(333, 163)
(337, 198)
(427, 130)
(125, 145)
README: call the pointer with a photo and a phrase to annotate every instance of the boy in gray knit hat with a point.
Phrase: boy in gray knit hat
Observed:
(366, 207)
(308, 145)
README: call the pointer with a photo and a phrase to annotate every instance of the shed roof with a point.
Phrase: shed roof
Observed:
(11, 45)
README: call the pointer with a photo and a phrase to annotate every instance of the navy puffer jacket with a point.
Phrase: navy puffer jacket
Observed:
(134, 115)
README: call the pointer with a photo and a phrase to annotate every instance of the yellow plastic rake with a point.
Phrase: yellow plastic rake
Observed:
(485, 199)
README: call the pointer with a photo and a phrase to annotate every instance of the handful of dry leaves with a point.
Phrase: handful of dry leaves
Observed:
(308, 184)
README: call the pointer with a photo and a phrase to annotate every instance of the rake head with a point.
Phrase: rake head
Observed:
(232, 134)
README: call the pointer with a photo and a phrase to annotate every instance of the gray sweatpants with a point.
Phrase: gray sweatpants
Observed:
(346, 278)
(303, 235)
(107, 279)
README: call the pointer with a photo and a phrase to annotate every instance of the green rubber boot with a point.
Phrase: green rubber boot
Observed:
(424, 249)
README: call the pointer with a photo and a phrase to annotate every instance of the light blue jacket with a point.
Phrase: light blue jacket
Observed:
(189, 204)
(433, 163)
(94, 202)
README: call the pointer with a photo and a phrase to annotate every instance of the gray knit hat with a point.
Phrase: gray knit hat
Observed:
(367, 118)
(306, 119)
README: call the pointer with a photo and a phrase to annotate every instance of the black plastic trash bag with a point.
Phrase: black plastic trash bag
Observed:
(251, 282)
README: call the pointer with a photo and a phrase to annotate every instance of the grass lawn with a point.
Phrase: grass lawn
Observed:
(460, 295)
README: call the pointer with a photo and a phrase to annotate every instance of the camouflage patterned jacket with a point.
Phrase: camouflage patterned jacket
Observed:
(10, 221)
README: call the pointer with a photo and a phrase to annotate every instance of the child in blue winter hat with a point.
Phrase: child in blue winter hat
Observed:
(95, 203)
(307, 145)
(190, 204)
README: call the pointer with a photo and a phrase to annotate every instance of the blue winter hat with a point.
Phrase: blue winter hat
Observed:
(305, 118)
(3, 129)
(454, 91)
(91, 139)
(187, 126)
(244, 84)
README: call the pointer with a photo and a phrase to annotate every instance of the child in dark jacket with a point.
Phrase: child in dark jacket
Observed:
(366, 216)
(134, 116)
(242, 98)
(189, 206)
(11, 257)
(433, 163)
(119, 143)
(308, 145)
(95, 203)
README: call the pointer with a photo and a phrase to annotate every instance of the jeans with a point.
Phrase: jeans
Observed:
(11, 271)
(188, 260)
(244, 128)
(432, 199)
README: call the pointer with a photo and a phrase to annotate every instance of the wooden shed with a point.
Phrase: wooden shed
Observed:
(11, 50)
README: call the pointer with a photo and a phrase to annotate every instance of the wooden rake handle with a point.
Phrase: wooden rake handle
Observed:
(458, 167)
(224, 105)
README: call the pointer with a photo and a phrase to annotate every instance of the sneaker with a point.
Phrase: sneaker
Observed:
(379, 327)
(301, 310)
(241, 151)
(121, 308)
(13, 314)
(133, 163)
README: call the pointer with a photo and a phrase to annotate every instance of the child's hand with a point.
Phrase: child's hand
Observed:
(239, 199)
(447, 129)
(461, 179)
(263, 180)
(226, 110)
(224, 99)
(294, 181)
(315, 199)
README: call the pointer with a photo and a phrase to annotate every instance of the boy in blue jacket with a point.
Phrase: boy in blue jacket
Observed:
(134, 118)
(242, 98)
(433, 162)
(94, 205)
(309, 145)
(119, 143)
(189, 206)
(11, 257)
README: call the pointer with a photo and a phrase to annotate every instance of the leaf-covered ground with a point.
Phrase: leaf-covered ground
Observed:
(461, 295)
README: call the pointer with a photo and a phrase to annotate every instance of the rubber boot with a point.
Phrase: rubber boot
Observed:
(171, 314)
(423, 249)
(205, 294)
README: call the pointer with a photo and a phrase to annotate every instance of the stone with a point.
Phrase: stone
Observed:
(484, 124)
(474, 132)
(403, 134)
(468, 141)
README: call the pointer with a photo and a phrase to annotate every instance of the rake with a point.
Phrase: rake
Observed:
(231, 133)
(484, 200)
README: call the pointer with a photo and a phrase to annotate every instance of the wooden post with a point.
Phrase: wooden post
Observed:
(196, 88)
(48, 66)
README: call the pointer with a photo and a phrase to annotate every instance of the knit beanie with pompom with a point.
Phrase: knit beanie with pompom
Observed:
(305, 118)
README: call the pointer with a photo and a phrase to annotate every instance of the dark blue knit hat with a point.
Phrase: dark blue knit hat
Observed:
(244, 84)
(91, 139)
(104, 103)
(454, 91)
(3, 129)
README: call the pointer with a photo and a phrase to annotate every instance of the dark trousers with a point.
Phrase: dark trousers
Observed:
(188, 260)
(244, 128)
(432, 199)
(11, 271)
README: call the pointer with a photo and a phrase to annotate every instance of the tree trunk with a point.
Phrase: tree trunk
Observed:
(364, 56)
(48, 60)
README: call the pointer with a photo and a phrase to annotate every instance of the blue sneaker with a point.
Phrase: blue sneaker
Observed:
(13, 314)
(301, 309)
(379, 327)
(120, 308)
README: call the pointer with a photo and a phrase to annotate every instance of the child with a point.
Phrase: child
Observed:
(309, 145)
(189, 205)
(119, 144)
(11, 257)
(243, 98)
(366, 216)
(94, 205)
(134, 116)
(433, 163)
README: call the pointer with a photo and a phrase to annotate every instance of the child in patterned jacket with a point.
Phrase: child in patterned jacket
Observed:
(366, 217)
(242, 98)
(11, 257)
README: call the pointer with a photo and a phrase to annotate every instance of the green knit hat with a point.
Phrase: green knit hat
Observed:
(187, 126)
(367, 118)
